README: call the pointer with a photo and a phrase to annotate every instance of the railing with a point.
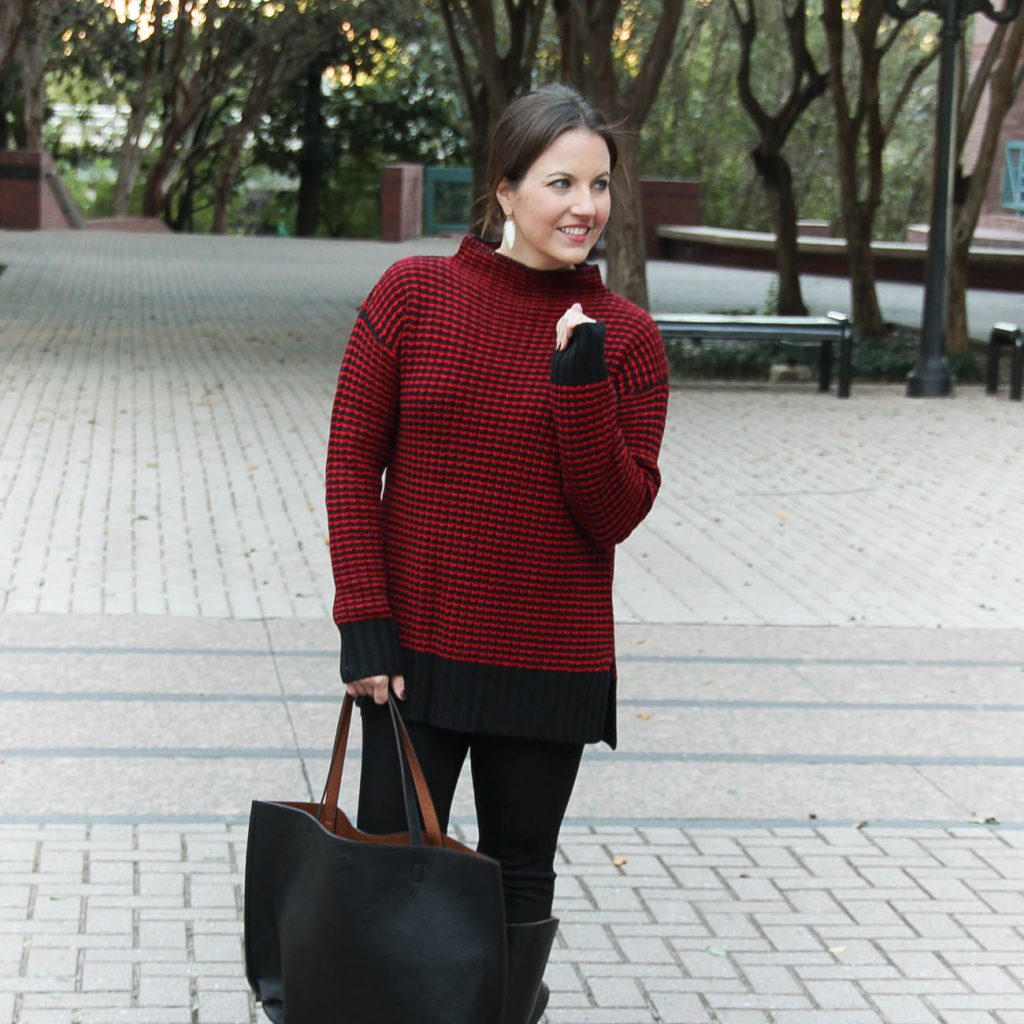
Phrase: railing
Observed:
(822, 331)
(1013, 177)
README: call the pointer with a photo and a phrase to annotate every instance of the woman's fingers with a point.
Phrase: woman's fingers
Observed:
(377, 688)
(369, 687)
(568, 322)
(562, 329)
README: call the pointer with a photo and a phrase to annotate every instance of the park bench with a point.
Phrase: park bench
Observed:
(823, 331)
(1006, 334)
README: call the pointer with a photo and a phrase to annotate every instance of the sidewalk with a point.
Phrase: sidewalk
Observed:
(814, 813)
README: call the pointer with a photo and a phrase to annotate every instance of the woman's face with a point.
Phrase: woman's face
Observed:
(562, 204)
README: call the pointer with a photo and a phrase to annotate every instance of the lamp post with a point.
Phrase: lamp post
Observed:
(931, 377)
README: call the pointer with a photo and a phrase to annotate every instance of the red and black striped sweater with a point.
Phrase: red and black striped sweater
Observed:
(482, 568)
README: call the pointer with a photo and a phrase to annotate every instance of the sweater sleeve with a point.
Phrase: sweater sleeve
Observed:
(609, 428)
(358, 451)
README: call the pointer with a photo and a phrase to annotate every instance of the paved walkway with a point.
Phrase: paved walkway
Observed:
(803, 824)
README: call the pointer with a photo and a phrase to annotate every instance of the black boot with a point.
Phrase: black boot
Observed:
(528, 947)
(543, 994)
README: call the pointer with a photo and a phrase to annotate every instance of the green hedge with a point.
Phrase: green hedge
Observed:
(887, 359)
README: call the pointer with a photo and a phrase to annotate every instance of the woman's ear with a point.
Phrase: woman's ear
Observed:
(503, 193)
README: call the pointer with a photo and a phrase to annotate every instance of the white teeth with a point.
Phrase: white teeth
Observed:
(574, 231)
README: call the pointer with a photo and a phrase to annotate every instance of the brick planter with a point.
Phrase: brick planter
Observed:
(27, 198)
(401, 202)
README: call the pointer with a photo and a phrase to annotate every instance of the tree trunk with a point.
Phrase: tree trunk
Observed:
(1003, 87)
(773, 130)
(154, 198)
(777, 179)
(867, 314)
(625, 234)
(957, 338)
(10, 118)
(479, 222)
(129, 160)
(169, 166)
(479, 145)
(224, 185)
(32, 63)
(859, 147)
(311, 159)
(492, 79)
(13, 16)
(183, 220)
(129, 163)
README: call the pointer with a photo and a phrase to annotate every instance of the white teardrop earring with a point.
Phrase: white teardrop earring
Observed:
(508, 233)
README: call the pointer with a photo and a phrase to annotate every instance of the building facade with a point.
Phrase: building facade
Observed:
(1002, 215)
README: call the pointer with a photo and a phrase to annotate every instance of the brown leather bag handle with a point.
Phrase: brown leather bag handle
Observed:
(328, 810)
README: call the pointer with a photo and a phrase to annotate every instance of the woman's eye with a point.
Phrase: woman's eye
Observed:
(562, 183)
(601, 185)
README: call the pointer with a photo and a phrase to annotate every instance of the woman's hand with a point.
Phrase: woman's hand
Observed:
(377, 688)
(570, 320)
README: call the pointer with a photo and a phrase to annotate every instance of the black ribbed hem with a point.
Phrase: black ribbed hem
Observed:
(582, 361)
(570, 707)
(369, 648)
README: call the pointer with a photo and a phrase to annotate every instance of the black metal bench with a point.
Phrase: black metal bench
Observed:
(825, 331)
(1006, 334)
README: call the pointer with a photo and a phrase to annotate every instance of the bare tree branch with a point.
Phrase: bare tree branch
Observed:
(652, 66)
(458, 54)
(976, 89)
(889, 41)
(907, 88)
(13, 18)
(747, 27)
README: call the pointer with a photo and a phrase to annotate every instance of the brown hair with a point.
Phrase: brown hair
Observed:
(527, 127)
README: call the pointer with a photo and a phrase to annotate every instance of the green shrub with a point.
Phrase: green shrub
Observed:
(878, 359)
(723, 362)
(90, 184)
(892, 356)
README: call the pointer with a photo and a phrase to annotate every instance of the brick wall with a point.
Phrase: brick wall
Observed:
(27, 202)
(667, 202)
(1013, 126)
(401, 202)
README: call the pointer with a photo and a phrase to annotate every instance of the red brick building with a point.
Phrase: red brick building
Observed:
(998, 224)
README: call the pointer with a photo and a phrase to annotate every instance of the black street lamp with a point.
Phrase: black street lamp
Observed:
(931, 377)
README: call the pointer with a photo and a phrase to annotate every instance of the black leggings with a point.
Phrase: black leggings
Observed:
(521, 787)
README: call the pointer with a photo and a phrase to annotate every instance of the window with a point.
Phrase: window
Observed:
(1013, 177)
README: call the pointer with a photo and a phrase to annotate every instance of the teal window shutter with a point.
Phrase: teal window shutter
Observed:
(1013, 177)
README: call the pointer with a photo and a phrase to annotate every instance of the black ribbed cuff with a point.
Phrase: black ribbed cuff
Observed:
(369, 648)
(582, 362)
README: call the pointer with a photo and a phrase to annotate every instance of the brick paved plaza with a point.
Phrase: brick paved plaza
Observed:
(814, 814)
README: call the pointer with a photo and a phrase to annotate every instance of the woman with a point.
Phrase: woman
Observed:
(514, 407)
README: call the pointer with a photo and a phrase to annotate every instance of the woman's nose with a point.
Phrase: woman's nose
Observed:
(583, 202)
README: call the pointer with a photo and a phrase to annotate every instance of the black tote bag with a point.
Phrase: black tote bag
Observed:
(342, 927)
